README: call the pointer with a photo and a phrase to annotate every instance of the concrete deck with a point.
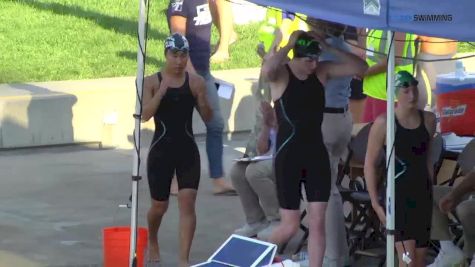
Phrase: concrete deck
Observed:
(54, 203)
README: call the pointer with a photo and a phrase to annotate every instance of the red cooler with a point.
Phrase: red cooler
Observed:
(456, 103)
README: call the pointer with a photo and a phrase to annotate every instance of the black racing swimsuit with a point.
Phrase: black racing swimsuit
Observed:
(413, 188)
(173, 147)
(301, 156)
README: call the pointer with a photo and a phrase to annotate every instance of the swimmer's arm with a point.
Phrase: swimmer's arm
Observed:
(361, 40)
(178, 25)
(430, 124)
(382, 65)
(379, 67)
(465, 187)
(376, 138)
(198, 88)
(263, 140)
(349, 64)
(273, 68)
(153, 91)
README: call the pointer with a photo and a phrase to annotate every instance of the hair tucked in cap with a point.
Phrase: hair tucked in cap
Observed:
(306, 46)
(177, 42)
(404, 79)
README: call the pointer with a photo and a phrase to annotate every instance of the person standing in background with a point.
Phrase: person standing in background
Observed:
(355, 37)
(336, 129)
(374, 82)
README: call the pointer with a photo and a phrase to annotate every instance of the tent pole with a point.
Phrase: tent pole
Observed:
(138, 110)
(390, 193)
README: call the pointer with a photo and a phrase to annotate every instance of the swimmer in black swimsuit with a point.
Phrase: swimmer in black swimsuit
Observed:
(170, 97)
(297, 89)
(413, 201)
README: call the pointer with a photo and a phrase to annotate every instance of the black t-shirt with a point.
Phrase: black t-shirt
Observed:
(198, 29)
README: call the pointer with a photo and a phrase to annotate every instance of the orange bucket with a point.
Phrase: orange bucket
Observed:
(116, 244)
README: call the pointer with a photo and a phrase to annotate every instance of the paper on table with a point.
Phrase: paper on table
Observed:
(225, 90)
(256, 158)
(454, 141)
(263, 157)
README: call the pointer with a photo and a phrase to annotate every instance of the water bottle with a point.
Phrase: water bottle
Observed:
(459, 70)
(266, 33)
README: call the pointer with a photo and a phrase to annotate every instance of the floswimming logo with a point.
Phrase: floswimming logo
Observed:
(433, 18)
(422, 17)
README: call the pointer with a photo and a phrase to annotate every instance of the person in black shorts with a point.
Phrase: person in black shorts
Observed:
(413, 185)
(297, 89)
(169, 97)
(355, 37)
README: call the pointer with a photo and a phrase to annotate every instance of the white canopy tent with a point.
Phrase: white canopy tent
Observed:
(448, 19)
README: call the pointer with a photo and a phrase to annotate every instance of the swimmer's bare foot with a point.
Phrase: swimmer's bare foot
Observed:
(153, 256)
(222, 188)
(184, 264)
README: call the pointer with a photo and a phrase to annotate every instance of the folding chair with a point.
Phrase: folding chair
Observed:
(362, 228)
(359, 222)
(465, 163)
(353, 162)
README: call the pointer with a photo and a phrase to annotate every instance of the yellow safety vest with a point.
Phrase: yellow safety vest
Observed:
(375, 85)
(288, 26)
(274, 14)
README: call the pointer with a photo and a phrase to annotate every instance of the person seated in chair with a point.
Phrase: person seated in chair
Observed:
(458, 199)
(255, 182)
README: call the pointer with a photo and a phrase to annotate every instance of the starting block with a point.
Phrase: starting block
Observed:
(240, 251)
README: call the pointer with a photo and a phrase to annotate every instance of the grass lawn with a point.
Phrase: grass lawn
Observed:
(43, 40)
(80, 39)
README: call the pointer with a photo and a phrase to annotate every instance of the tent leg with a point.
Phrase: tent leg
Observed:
(390, 193)
(138, 110)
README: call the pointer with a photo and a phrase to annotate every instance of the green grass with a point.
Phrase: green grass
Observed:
(44, 40)
(466, 47)
(80, 39)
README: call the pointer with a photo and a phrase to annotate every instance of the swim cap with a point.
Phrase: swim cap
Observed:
(306, 46)
(177, 42)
